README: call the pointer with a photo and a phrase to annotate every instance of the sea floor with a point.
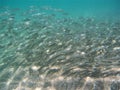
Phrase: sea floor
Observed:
(41, 50)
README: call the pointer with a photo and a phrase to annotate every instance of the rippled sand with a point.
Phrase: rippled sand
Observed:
(44, 51)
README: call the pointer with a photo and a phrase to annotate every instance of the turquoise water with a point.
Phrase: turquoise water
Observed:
(59, 45)
(107, 8)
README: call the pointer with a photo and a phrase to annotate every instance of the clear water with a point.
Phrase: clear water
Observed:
(59, 45)
(75, 7)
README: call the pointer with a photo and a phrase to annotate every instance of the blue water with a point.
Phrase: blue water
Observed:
(99, 8)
